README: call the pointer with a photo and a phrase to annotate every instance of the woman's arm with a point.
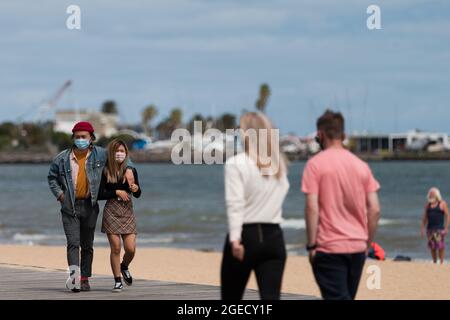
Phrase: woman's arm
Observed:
(235, 203)
(235, 200)
(136, 194)
(132, 178)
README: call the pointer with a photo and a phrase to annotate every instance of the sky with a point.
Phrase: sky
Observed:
(210, 56)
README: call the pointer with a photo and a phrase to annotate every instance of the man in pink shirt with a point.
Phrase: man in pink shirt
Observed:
(341, 211)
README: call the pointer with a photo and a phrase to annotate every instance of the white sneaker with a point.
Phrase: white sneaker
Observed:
(118, 286)
(72, 285)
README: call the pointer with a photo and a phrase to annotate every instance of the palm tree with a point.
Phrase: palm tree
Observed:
(109, 107)
(226, 121)
(196, 117)
(172, 122)
(264, 94)
(176, 117)
(148, 114)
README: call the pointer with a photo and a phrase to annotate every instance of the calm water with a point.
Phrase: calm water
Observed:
(183, 206)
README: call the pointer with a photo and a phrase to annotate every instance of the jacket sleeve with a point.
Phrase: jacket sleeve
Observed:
(53, 179)
(136, 194)
(105, 193)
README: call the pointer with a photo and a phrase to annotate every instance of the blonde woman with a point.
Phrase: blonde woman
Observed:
(119, 182)
(435, 219)
(255, 187)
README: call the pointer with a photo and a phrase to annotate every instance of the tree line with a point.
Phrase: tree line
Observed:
(30, 136)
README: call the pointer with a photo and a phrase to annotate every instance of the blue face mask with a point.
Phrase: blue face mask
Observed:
(82, 143)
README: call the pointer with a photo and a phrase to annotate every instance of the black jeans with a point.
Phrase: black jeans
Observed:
(265, 253)
(79, 230)
(338, 275)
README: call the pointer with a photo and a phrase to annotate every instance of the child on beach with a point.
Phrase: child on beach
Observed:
(436, 220)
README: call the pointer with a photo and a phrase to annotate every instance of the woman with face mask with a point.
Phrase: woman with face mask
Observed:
(118, 184)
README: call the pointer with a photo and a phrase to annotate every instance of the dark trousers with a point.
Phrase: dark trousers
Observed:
(265, 253)
(338, 275)
(79, 230)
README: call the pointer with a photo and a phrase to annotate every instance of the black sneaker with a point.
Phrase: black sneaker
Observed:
(118, 286)
(126, 275)
(85, 285)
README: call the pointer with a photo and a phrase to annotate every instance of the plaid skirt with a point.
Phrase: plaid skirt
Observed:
(118, 217)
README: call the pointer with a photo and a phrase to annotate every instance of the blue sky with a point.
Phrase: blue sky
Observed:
(210, 56)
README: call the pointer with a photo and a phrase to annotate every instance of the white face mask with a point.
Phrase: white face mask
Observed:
(432, 199)
(120, 156)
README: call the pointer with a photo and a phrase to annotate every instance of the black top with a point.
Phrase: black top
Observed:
(435, 217)
(108, 190)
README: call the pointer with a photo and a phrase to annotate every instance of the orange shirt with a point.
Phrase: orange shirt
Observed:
(81, 183)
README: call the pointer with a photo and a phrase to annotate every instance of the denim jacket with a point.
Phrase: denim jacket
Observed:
(60, 177)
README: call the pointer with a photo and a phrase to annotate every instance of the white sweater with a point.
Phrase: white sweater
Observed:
(251, 197)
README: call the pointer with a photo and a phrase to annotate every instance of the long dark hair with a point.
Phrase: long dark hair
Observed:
(114, 170)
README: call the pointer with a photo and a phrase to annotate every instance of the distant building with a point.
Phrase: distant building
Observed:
(428, 141)
(371, 143)
(105, 124)
(293, 144)
(414, 140)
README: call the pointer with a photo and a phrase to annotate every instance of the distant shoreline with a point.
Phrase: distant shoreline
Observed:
(28, 157)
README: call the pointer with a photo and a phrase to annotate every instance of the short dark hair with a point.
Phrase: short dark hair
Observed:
(332, 124)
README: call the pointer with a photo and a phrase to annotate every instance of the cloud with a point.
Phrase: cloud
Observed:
(201, 53)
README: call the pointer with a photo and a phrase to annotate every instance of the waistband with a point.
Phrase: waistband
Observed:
(265, 225)
(83, 200)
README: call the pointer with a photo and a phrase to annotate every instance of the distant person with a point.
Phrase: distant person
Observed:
(341, 211)
(74, 179)
(119, 183)
(436, 220)
(254, 194)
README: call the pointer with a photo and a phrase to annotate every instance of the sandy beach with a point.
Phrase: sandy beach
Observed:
(399, 280)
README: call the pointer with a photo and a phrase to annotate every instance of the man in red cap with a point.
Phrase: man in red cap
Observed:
(74, 179)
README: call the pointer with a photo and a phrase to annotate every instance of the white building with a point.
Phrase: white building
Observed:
(429, 141)
(105, 124)
(413, 140)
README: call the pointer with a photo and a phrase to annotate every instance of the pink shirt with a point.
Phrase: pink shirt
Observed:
(341, 180)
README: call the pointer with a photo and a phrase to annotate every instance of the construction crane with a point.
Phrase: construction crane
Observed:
(45, 106)
(51, 103)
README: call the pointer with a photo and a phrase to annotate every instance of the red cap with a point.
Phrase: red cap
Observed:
(83, 126)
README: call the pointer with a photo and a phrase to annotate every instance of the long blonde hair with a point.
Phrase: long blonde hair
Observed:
(267, 156)
(114, 170)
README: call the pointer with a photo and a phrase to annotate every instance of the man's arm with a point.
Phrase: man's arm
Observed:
(311, 217)
(373, 215)
(424, 222)
(53, 182)
(446, 217)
